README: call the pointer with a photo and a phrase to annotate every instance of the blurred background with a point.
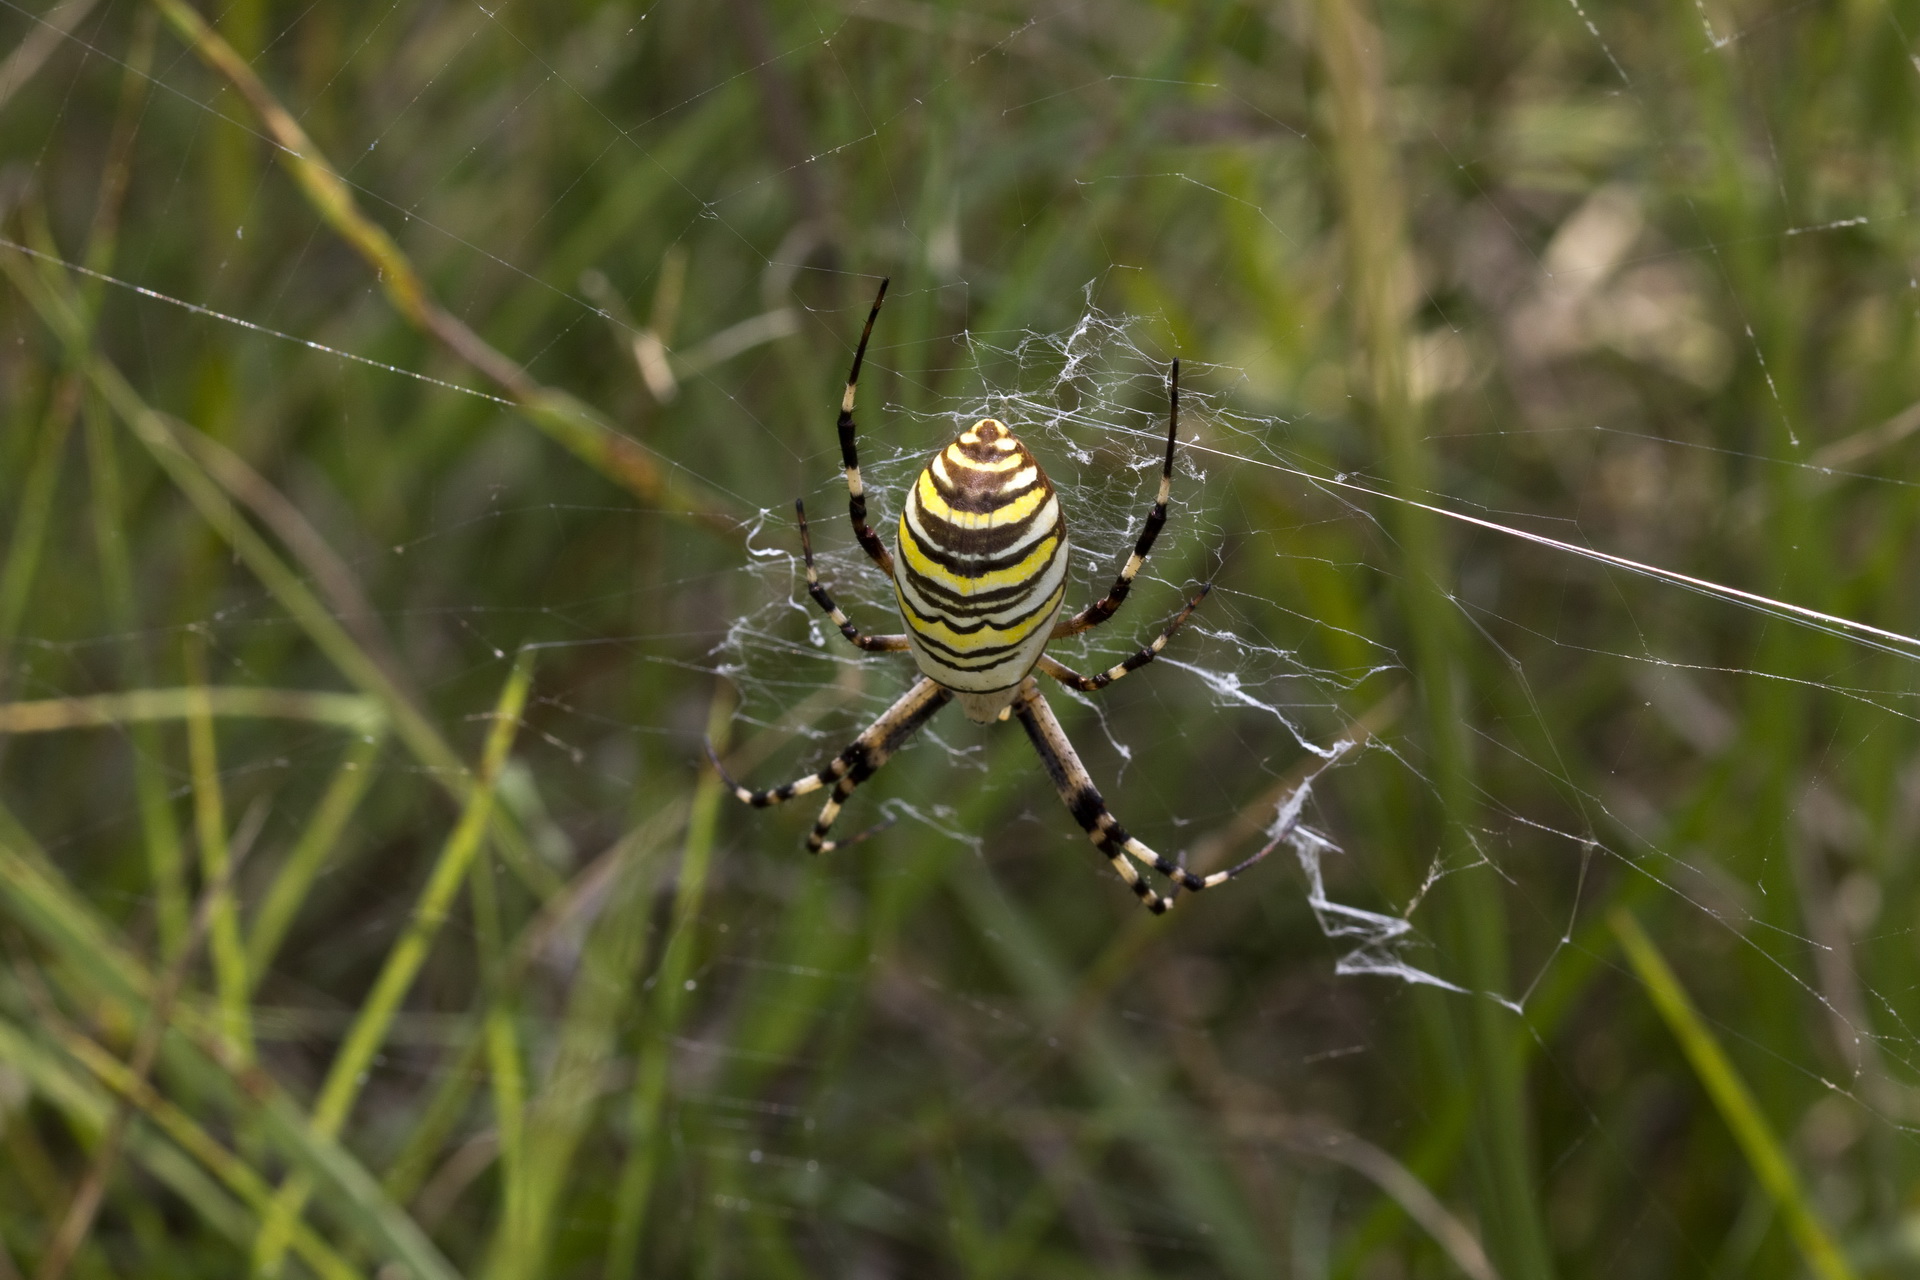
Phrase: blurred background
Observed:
(404, 406)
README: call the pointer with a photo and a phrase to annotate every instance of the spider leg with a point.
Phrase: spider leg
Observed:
(850, 453)
(862, 758)
(1087, 684)
(1083, 800)
(859, 639)
(1100, 610)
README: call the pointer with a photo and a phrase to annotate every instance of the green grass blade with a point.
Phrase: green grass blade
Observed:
(616, 885)
(144, 706)
(228, 953)
(505, 1068)
(88, 1108)
(1125, 1077)
(603, 991)
(34, 894)
(166, 860)
(157, 435)
(44, 904)
(1470, 1039)
(559, 415)
(1730, 1095)
(348, 1073)
(459, 1077)
(57, 305)
(317, 840)
(31, 517)
(352, 1194)
(668, 1007)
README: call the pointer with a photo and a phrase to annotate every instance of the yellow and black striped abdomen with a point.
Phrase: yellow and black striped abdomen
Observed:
(982, 568)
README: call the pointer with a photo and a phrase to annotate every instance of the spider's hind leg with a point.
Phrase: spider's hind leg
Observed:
(860, 761)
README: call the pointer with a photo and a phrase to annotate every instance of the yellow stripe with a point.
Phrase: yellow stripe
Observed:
(985, 637)
(1013, 513)
(930, 499)
(1028, 568)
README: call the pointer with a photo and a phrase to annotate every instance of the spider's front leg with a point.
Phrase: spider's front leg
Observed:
(862, 758)
(858, 638)
(1100, 610)
(850, 451)
(1083, 800)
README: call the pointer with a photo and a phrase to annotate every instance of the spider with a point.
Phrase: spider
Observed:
(980, 580)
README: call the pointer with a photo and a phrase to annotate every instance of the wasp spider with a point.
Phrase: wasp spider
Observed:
(980, 578)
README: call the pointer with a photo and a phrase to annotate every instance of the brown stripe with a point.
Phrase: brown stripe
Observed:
(945, 539)
(1011, 610)
(982, 500)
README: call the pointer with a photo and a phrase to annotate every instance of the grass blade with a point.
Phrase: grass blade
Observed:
(289, 888)
(668, 1007)
(58, 305)
(80, 1213)
(166, 862)
(35, 509)
(1730, 1095)
(108, 974)
(140, 706)
(618, 457)
(1470, 1040)
(88, 1109)
(504, 1064)
(216, 861)
(604, 988)
(348, 1073)
(1124, 1076)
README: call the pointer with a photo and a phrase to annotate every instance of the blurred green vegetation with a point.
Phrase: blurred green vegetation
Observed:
(402, 406)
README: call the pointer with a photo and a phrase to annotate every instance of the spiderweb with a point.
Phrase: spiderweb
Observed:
(1091, 402)
(1625, 589)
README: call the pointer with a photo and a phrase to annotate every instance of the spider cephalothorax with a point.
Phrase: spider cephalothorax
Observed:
(980, 579)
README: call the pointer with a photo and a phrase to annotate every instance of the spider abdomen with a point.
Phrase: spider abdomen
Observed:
(982, 567)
